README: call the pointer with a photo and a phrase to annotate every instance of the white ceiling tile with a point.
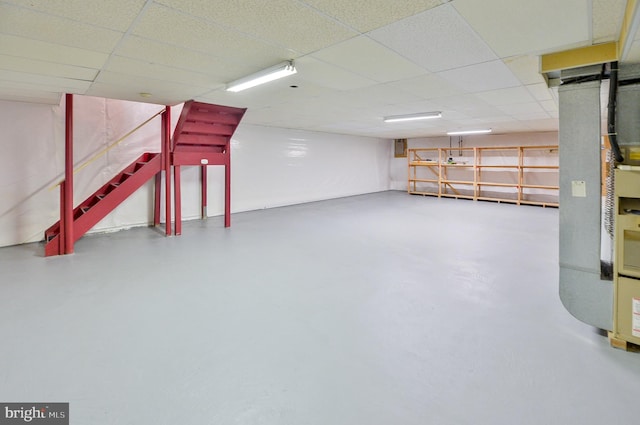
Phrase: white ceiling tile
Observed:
(22, 47)
(52, 99)
(172, 27)
(75, 86)
(137, 68)
(545, 124)
(481, 77)
(429, 86)
(368, 15)
(532, 117)
(511, 127)
(23, 22)
(154, 52)
(287, 23)
(483, 112)
(131, 91)
(114, 14)
(549, 105)
(437, 39)
(540, 91)
(381, 94)
(518, 27)
(463, 107)
(136, 85)
(521, 109)
(12, 63)
(526, 68)
(372, 60)
(27, 93)
(507, 96)
(410, 107)
(607, 19)
(490, 121)
(329, 76)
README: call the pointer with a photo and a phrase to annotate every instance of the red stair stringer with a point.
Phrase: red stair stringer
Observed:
(106, 199)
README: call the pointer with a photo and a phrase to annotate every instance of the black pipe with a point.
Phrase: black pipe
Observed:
(611, 121)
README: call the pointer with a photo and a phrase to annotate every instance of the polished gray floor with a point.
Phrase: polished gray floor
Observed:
(376, 309)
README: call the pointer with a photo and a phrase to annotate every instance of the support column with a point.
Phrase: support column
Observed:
(166, 155)
(156, 199)
(203, 186)
(177, 199)
(227, 188)
(68, 176)
(62, 233)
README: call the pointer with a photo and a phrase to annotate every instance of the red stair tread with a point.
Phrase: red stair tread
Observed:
(206, 128)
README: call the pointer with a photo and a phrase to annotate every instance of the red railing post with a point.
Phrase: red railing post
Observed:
(61, 232)
(156, 207)
(227, 188)
(166, 155)
(203, 185)
(177, 198)
(68, 176)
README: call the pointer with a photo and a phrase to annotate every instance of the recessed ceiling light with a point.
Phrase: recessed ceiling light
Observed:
(143, 94)
(413, 117)
(460, 133)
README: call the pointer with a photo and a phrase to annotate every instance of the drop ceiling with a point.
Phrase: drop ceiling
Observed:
(358, 61)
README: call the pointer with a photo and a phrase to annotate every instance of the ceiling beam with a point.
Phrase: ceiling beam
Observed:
(583, 56)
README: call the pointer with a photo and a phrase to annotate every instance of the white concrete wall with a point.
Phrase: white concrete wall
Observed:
(270, 166)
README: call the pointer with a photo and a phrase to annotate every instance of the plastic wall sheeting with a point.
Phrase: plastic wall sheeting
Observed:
(33, 161)
(270, 166)
(399, 167)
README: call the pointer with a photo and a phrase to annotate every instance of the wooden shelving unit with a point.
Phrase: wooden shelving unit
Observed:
(515, 174)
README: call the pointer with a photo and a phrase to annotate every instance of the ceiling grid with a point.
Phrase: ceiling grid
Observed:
(357, 61)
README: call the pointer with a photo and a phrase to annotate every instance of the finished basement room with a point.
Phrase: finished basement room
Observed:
(319, 212)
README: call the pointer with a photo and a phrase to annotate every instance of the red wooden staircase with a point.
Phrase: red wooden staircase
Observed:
(203, 137)
(104, 200)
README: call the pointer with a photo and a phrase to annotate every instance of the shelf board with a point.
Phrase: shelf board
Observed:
(424, 180)
(547, 167)
(457, 165)
(488, 198)
(543, 204)
(539, 186)
(417, 192)
(453, 195)
(497, 184)
(457, 182)
(423, 163)
(498, 166)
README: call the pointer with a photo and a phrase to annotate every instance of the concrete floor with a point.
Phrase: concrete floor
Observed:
(376, 309)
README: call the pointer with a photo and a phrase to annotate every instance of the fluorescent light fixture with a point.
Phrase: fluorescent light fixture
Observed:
(278, 71)
(460, 133)
(413, 117)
